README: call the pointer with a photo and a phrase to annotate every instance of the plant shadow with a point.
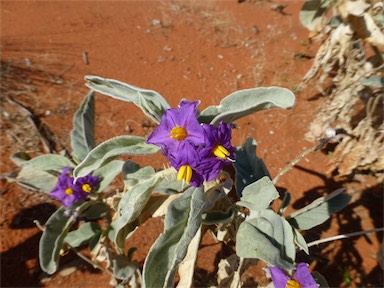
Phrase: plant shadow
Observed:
(340, 262)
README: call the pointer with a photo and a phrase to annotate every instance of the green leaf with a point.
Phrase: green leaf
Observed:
(319, 210)
(285, 202)
(83, 234)
(83, 133)
(20, 157)
(151, 102)
(52, 240)
(130, 206)
(36, 179)
(133, 145)
(245, 102)
(312, 10)
(300, 240)
(169, 185)
(249, 167)
(123, 268)
(96, 210)
(374, 80)
(253, 242)
(108, 172)
(48, 162)
(182, 221)
(258, 195)
(133, 173)
(278, 231)
(320, 279)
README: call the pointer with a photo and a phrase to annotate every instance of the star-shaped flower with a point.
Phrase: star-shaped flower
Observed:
(301, 279)
(178, 128)
(197, 151)
(69, 192)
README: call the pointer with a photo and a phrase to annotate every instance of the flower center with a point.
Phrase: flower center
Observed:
(220, 151)
(178, 133)
(69, 191)
(185, 173)
(86, 187)
(293, 284)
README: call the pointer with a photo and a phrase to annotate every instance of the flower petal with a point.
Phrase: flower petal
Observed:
(279, 278)
(304, 277)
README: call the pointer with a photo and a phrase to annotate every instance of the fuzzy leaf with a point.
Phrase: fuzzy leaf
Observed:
(123, 268)
(52, 240)
(48, 162)
(320, 280)
(277, 230)
(258, 195)
(20, 157)
(151, 102)
(36, 179)
(96, 210)
(133, 173)
(182, 221)
(253, 242)
(83, 234)
(285, 202)
(319, 210)
(130, 206)
(83, 132)
(245, 102)
(133, 145)
(300, 240)
(187, 266)
(108, 172)
(249, 167)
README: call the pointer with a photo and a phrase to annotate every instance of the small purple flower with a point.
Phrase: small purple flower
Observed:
(301, 279)
(69, 192)
(87, 184)
(217, 150)
(178, 128)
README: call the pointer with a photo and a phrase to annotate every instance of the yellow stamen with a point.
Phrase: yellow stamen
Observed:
(293, 284)
(221, 152)
(69, 191)
(86, 187)
(178, 133)
(185, 173)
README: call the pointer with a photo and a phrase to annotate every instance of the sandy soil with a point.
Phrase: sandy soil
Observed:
(182, 49)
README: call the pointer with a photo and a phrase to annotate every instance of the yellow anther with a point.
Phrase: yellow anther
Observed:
(293, 284)
(69, 191)
(185, 173)
(221, 152)
(86, 187)
(178, 133)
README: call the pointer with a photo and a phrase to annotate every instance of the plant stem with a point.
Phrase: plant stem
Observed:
(319, 146)
(89, 261)
(343, 236)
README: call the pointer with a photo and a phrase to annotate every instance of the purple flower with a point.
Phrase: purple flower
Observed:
(198, 152)
(87, 184)
(69, 192)
(217, 150)
(179, 134)
(301, 279)
(178, 128)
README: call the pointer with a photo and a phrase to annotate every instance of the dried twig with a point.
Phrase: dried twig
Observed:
(319, 146)
(344, 236)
